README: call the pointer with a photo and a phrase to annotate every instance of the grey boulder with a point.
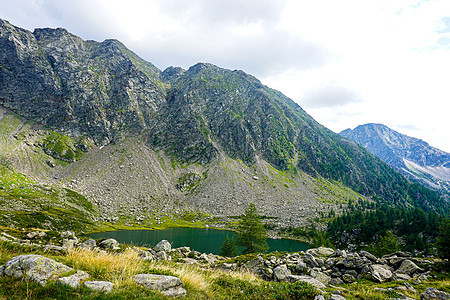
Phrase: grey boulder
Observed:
(408, 267)
(434, 294)
(109, 244)
(99, 286)
(168, 285)
(73, 280)
(164, 245)
(35, 267)
(281, 273)
(380, 273)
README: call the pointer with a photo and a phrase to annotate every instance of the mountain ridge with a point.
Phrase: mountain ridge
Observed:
(206, 138)
(412, 157)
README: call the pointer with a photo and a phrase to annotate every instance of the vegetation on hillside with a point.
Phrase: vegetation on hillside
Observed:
(378, 225)
(26, 203)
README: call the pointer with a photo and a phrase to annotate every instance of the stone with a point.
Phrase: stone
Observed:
(88, 244)
(301, 267)
(164, 245)
(348, 278)
(408, 267)
(353, 261)
(35, 267)
(73, 280)
(146, 255)
(368, 255)
(321, 251)
(380, 273)
(168, 285)
(336, 281)
(400, 276)
(69, 243)
(33, 234)
(161, 255)
(319, 297)
(209, 258)
(255, 264)
(322, 277)
(335, 297)
(410, 287)
(53, 248)
(281, 273)
(228, 267)
(310, 260)
(99, 286)
(434, 294)
(111, 244)
(395, 261)
(339, 253)
(308, 279)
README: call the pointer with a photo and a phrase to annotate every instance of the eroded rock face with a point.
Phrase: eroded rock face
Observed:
(168, 285)
(35, 267)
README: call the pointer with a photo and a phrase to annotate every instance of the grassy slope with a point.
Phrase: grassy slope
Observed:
(25, 202)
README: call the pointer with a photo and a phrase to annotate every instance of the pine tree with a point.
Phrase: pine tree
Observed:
(251, 234)
(443, 239)
(228, 248)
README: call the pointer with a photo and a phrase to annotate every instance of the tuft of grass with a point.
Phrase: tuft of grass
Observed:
(115, 267)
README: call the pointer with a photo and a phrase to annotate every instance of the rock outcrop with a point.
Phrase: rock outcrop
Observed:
(35, 267)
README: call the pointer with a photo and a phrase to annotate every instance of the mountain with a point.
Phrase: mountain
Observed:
(95, 118)
(410, 156)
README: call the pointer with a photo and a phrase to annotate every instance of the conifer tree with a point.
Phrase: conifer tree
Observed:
(251, 234)
(228, 248)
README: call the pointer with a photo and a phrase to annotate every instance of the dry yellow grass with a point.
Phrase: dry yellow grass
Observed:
(115, 267)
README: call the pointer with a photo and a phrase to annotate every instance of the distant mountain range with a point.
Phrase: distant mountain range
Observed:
(95, 118)
(410, 156)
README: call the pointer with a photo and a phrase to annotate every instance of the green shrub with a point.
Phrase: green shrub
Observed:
(239, 289)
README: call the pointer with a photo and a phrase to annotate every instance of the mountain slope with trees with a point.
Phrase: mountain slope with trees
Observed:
(128, 135)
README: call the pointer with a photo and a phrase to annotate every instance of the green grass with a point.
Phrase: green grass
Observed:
(63, 147)
(25, 203)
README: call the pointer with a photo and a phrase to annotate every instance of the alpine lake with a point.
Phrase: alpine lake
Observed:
(205, 240)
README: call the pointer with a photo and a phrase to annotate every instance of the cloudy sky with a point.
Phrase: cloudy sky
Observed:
(346, 62)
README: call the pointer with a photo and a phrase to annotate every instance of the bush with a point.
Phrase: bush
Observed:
(239, 289)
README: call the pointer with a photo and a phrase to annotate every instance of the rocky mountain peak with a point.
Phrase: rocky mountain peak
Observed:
(411, 156)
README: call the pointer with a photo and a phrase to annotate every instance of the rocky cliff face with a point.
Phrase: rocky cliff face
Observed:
(410, 156)
(204, 138)
(101, 90)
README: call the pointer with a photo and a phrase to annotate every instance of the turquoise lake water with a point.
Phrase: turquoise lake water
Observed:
(205, 240)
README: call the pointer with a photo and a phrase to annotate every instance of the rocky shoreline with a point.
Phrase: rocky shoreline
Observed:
(324, 268)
